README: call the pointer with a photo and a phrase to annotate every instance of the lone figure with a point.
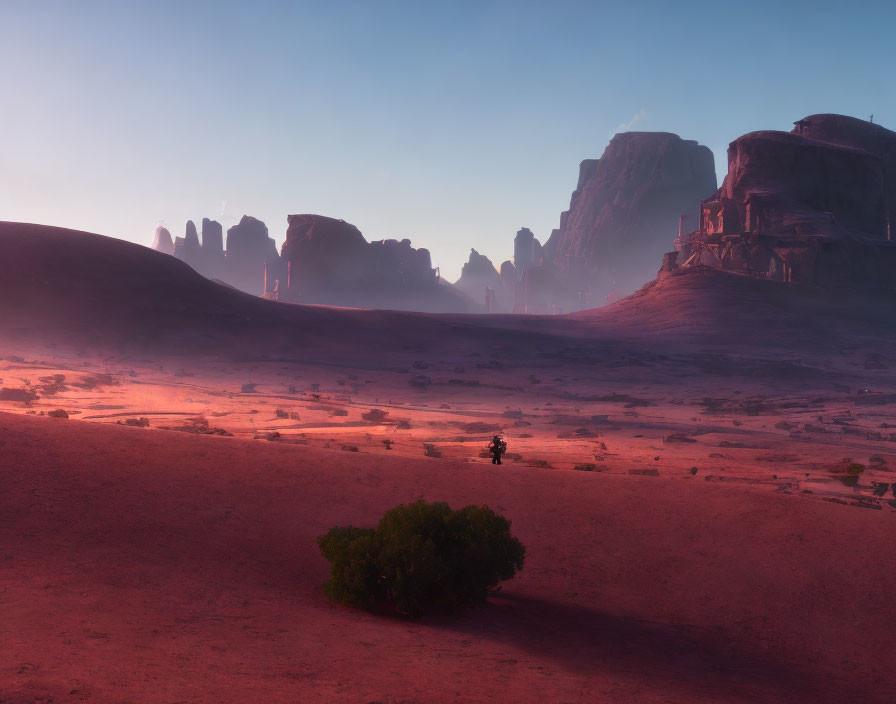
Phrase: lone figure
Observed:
(497, 447)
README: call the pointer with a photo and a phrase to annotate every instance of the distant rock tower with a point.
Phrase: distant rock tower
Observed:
(163, 242)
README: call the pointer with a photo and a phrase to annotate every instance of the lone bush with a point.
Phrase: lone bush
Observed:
(421, 554)
(855, 469)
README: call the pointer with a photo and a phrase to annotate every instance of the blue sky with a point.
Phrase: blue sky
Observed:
(452, 123)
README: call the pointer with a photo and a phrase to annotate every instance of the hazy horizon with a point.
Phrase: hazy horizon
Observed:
(453, 125)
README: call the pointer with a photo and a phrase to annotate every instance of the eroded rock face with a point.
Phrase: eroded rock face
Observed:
(858, 134)
(812, 206)
(322, 253)
(248, 250)
(781, 183)
(621, 218)
(480, 281)
(328, 261)
(212, 237)
(527, 250)
(625, 210)
(162, 241)
(212, 249)
(187, 248)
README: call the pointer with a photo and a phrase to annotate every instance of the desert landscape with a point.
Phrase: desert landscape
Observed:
(487, 352)
(694, 530)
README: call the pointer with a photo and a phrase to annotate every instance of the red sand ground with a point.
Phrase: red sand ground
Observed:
(144, 565)
(162, 567)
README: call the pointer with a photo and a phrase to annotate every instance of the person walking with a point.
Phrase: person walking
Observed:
(497, 447)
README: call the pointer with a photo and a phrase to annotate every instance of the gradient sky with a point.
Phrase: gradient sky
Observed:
(452, 123)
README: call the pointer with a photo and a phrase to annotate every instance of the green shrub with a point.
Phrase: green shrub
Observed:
(420, 554)
(855, 469)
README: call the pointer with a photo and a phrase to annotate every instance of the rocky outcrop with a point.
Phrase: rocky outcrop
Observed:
(621, 218)
(212, 249)
(162, 241)
(481, 282)
(212, 237)
(329, 261)
(249, 252)
(625, 211)
(858, 134)
(527, 250)
(811, 206)
(187, 248)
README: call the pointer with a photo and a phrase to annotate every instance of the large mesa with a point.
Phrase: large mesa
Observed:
(329, 261)
(812, 206)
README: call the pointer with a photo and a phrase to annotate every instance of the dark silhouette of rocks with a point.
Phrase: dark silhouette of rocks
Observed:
(328, 261)
(324, 260)
(212, 249)
(162, 241)
(187, 248)
(813, 206)
(481, 282)
(249, 249)
(527, 250)
(858, 134)
(250, 252)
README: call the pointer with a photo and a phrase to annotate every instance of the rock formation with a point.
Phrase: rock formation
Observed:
(162, 241)
(187, 248)
(329, 261)
(527, 250)
(250, 252)
(481, 282)
(212, 249)
(811, 206)
(623, 214)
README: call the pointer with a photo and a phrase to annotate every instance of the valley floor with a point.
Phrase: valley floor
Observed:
(159, 566)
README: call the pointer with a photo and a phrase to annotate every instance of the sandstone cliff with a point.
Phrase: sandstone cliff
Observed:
(481, 282)
(329, 261)
(626, 208)
(812, 206)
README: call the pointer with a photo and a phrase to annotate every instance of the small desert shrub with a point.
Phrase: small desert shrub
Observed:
(421, 554)
(60, 413)
(431, 450)
(340, 412)
(375, 415)
(350, 448)
(854, 469)
(280, 413)
(585, 467)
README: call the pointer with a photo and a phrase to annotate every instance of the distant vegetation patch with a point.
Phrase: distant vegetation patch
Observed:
(375, 415)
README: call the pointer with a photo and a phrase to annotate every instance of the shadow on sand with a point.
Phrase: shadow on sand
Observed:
(708, 665)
